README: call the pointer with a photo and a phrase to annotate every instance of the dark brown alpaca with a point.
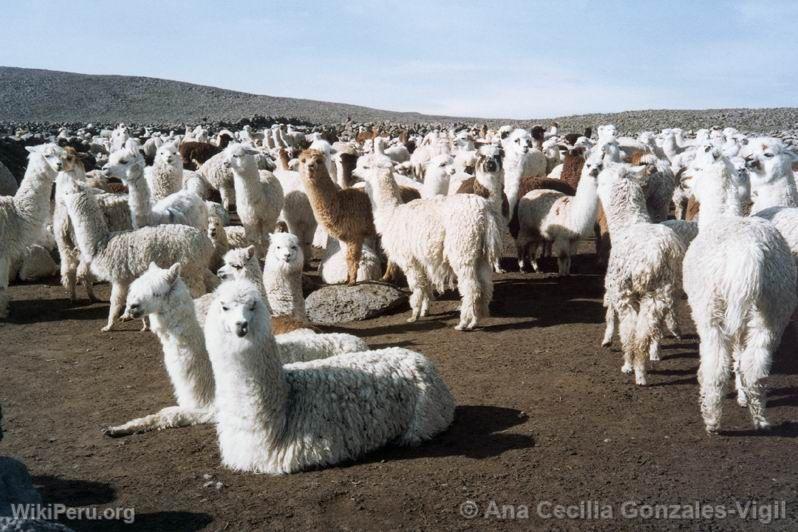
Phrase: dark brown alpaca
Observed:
(572, 165)
(344, 214)
(196, 153)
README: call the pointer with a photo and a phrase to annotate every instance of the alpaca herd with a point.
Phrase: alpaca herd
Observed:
(711, 215)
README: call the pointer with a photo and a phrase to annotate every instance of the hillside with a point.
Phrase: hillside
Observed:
(32, 95)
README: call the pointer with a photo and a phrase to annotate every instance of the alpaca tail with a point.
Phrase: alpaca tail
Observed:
(492, 245)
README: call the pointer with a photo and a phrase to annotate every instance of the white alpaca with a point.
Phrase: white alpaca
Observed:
(220, 178)
(259, 196)
(772, 180)
(333, 266)
(165, 176)
(182, 207)
(520, 160)
(120, 257)
(740, 280)
(436, 176)
(279, 419)
(23, 216)
(297, 211)
(551, 216)
(436, 240)
(643, 269)
(163, 296)
(282, 276)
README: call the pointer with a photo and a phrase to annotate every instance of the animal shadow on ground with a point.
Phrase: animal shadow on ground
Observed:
(550, 301)
(783, 396)
(73, 492)
(474, 433)
(32, 311)
(788, 429)
(184, 521)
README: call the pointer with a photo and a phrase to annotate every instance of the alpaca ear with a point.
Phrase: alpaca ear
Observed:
(250, 252)
(31, 149)
(152, 266)
(174, 273)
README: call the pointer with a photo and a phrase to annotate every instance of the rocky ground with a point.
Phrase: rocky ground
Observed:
(544, 418)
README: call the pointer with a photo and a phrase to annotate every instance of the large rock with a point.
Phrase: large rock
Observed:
(341, 303)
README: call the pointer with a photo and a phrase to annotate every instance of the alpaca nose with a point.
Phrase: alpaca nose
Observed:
(221, 274)
(241, 328)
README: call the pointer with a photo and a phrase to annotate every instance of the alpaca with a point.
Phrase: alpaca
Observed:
(436, 240)
(181, 207)
(333, 267)
(643, 268)
(259, 196)
(279, 419)
(297, 211)
(165, 176)
(436, 176)
(572, 165)
(23, 215)
(163, 296)
(344, 214)
(770, 170)
(520, 161)
(548, 215)
(527, 185)
(120, 257)
(219, 177)
(282, 276)
(221, 245)
(740, 280)
(199, 152)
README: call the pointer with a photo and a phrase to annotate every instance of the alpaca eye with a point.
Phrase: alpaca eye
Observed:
(252, 307)
(768, 155)
(224, 308)
(123, 161)
(236, 266)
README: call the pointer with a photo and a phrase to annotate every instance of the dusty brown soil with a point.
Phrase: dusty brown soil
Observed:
(544, 415)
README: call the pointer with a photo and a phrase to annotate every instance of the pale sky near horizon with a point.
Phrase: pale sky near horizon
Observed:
(501, 59)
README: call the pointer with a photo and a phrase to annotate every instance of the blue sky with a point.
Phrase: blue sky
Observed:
(506, 58)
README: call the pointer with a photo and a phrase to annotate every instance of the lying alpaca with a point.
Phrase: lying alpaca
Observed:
(282, 276)
(279, 419)
(643, 269)
(548, 215)
(740, 281)
(164, 297)
(23, 216)
(120, 257)
(259, 196)
(436, 240)
(333, 267)
(344, 214)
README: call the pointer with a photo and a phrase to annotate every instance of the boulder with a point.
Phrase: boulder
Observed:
(335, 304)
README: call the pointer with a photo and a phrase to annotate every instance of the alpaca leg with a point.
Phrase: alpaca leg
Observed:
(228, 194)
(118, 295)
(485, 288)
(469, 287)
(610, 319)
(87, 279)
(306, 238)
(392, 273)
(628, 321)
(416, 281)
(672, 322)
(522, 249)
(5, 265)
(69, 273)
(646, 342)
(532, 252)
(562, 251)
(713, 373)
(166, 418)
(754, 366)
(354, 250)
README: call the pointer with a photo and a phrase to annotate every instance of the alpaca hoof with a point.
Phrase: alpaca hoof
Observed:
(712, 430)
(762, 425)
(627, 368)
(742, 401)
(412, 319)
(113, 432)
(641, 381)
(654, 357)
(144, 328)
(107, 328)
(606, 343)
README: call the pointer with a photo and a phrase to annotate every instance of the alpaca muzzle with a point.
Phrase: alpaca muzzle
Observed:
(242, 328)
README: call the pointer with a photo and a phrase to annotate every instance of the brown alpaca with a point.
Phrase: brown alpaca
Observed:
(602, 238)
(692, 209)
(286, 324)
(348, 164)
(199, 152)
(529, 184)
(344, 214)
(283, 159)
(572, 165)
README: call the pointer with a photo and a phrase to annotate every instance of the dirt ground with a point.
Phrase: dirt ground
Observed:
(545, 418)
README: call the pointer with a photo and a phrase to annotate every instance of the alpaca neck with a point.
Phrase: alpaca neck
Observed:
(283, 158)
(251, 397)
(320, 190)
(247, 184)
(139, 201)
(624, 207)
(91, 230)
(32, 199)
(584, 207)
(283, 285)
(513, 172)
(384, 195)
(779, 192)
(722, 200)
(185, 356)
(494, 184)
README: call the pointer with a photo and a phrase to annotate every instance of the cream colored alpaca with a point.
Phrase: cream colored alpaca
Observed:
(165, 176)
(23, 216)
(280, 419)
(282, 276)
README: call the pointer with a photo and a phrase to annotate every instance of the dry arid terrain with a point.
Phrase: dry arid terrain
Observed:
(544, 418)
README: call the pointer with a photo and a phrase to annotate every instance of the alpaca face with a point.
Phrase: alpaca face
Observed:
(593, 166)
(168, 154)
(215, 227)
(147, 294)
(235, 263)
(241, 308)
(52, 154)
(768, 159)
(125, 164)
(239, 157)
(520, 141)
(284, 248)
(489, 158)
(311, 162)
